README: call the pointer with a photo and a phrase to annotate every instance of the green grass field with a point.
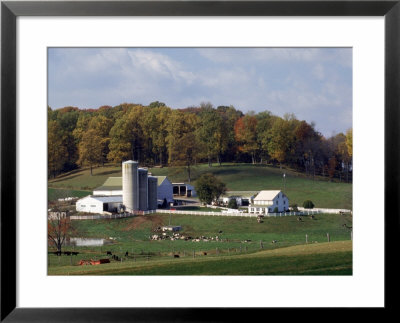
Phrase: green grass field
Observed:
(334, 258)
(132, 235)
(238, 177)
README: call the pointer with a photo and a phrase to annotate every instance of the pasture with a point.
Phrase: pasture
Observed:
(334, 258)
(241, 242)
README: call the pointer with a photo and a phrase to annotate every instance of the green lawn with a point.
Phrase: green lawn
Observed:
(238, 177)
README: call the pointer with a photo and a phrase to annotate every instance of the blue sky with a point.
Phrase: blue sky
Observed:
(313, 83)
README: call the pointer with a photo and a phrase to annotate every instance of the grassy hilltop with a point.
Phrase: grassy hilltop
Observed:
(238, 177)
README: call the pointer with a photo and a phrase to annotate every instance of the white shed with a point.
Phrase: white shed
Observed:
(99, 204)
(268, 201)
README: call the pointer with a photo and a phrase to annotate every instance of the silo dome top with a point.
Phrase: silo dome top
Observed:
(130, 162)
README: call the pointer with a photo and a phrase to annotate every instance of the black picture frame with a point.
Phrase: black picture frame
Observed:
(10, 10)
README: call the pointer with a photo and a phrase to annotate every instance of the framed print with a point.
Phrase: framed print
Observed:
(365, 35)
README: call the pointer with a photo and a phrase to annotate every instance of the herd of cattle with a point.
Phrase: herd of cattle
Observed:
(178, 236)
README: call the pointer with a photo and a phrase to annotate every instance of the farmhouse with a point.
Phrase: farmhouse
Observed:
(269, 202)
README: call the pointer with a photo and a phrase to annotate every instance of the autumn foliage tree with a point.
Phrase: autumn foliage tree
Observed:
(160, 135)
(246, 135)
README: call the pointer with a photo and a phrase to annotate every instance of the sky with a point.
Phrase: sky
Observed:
(315, 84)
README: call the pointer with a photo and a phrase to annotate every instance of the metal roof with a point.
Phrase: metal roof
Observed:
(241, 193)
(266, 195)
(105, 199)
(115, 183)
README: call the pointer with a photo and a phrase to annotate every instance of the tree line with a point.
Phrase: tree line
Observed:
(159, 135)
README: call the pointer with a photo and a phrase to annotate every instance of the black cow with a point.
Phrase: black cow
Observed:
(75, 253)
(126, 254)
(109, 253)
(176, 256)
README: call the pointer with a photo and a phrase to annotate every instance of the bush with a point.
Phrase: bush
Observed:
(276, 210)
(294, 208)
(308, 204)
(232, 204)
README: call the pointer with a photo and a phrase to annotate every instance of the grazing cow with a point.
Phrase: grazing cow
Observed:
(176, 256)
(220, 231)
(126, 254)
(109, 253)
(204, 253)
(312, 216)
(57, 253)
(75, 253)
(274, 241)
(299, 219)
(68, 253)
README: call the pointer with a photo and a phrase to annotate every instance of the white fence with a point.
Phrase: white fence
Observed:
(329, 211)
(236, 214)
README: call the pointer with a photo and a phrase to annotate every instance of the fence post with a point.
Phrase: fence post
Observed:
(261, 245)
(351, 235)
(194, 254)
(306, 238)
(329, 238)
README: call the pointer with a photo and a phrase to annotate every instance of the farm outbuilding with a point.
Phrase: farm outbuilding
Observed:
(268, 202)
(182, 189)
(164, 190)
(243, 198)
(99, 204)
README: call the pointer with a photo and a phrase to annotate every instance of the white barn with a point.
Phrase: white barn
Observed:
(267, 201)
(99, 204)
(164, 190)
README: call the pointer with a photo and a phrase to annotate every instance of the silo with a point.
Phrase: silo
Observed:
(152, 192)
(143, 199)
(130, 183)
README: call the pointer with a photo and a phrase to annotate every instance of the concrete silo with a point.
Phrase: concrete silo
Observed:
(143, 189)
(152, 192)
(130, 184)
